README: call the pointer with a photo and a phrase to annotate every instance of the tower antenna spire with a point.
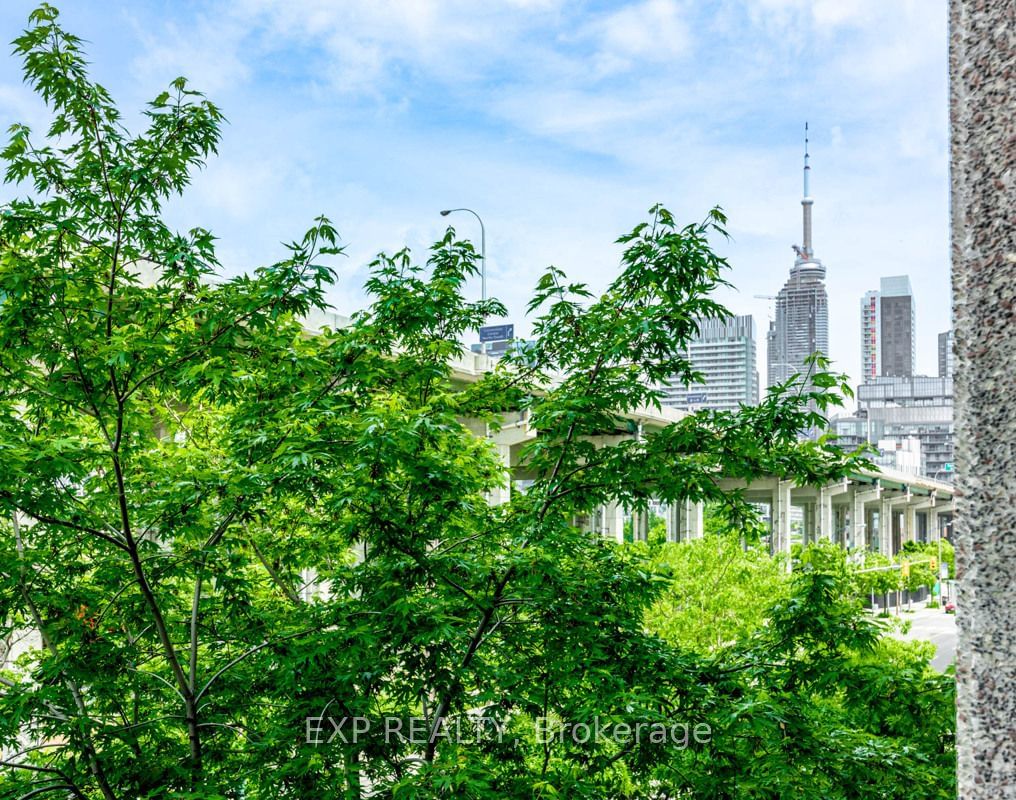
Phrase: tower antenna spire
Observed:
(807, 167)
(806, 202)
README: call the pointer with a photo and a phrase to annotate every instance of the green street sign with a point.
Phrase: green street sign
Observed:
(948, 467)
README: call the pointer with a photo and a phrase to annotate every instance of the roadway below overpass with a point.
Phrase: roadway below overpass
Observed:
(935, 626)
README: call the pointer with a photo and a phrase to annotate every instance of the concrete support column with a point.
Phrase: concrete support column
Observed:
(780, 511)
(909, 523)
(858, 522)
(514, 432)
(894, 532)
(983, 130)
(847, 520)
(503, 493)
(859, 517)
(826, 521)
(672, 521)
(639, 526)
(691, 520)
(885, 527)
(808, 524)
(612, 521)
(916, 528)
(836, 513)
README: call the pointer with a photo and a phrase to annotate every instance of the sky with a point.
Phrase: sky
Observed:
(560, 122)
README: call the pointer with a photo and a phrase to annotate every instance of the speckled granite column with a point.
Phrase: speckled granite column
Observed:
(983, 113)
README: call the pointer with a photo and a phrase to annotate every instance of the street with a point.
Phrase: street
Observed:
(935, 626)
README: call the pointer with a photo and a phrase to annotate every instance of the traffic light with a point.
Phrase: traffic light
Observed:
(934, 564)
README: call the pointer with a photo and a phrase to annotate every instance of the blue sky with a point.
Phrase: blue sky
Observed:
(560, 122)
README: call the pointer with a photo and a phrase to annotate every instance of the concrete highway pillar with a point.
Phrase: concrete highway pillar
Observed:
(503, 493)
(672, 521)
(612, 521)
(909, 523)
(846, 531)
(894, 533)
(780, 512)
(921, 508)
(808, 523)
(858, 522)
(640, 526)
(859, 516)
(691, 520)
(826, 521)
(885, 527)
(983, 129)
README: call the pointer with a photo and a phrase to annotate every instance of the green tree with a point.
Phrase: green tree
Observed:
(808, 697)
(877, 575)
(224, 533)
(817, 704)
(717, 592)
(943, 553)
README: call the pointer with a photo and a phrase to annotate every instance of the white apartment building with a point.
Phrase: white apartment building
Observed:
(724, 353)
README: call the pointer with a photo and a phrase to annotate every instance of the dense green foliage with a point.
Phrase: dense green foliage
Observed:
(819, 689)
(716, 592)
(220, 532)
(822, 707)
(942, 551)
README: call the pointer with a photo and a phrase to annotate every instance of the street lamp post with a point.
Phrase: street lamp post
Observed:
(483, 248)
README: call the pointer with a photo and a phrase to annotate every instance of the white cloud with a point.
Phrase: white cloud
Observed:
(241, 190)
(19, 104)
(368, 43)
(823, 14)
(653, 31)
(208, 51)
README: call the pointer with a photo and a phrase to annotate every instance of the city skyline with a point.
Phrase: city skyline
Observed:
(560, 124)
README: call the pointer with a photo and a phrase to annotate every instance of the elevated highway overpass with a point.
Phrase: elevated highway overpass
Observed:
(877, 509)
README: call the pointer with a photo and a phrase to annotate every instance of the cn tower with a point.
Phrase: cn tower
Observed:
(801, 324)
